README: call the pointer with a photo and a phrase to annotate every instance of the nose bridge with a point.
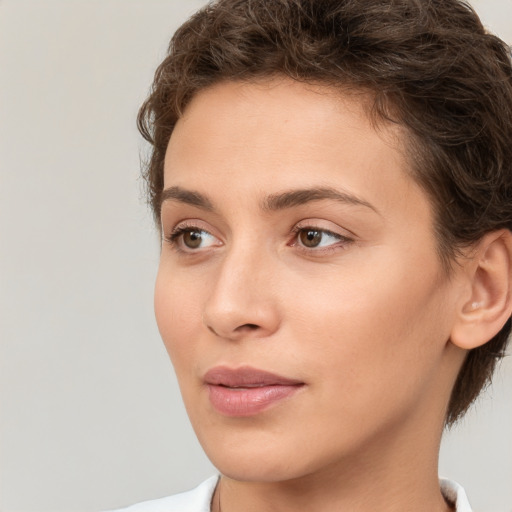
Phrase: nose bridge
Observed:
(242, 298)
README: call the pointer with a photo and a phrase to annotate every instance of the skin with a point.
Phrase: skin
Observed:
(363, 319)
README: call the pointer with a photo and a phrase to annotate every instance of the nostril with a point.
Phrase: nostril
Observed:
(249, 327)
(239, 329)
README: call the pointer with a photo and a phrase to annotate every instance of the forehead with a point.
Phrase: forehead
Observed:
(262, 137)
(281, 101)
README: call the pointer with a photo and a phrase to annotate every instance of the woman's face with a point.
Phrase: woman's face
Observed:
(299, 295)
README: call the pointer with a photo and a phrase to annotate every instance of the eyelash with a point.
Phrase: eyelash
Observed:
(173, 239)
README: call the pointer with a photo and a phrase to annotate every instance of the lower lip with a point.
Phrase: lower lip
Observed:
(248, 401)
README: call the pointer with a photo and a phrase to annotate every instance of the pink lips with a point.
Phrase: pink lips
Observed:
(246, 391)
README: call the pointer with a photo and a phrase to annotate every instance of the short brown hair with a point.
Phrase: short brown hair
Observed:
(430, 67)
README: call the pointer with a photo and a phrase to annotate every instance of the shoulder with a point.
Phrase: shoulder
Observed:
(455, 494)
(196, 500)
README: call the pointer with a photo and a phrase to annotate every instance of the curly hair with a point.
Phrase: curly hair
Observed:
(429, 65)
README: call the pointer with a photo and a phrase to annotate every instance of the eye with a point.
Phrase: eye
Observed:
(193, 238)
(189, 239)
(317, 241)
(312, 238)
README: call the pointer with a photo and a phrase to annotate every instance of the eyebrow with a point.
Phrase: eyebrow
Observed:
(292, 198)
(186, 196)
(273, 202)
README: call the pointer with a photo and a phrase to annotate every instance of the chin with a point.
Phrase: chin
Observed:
(257, 470)
(265, 458)
(256, 460)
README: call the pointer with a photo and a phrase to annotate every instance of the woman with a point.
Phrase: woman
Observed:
(333, 184)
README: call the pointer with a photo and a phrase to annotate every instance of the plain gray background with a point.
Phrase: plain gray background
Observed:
(91, 416)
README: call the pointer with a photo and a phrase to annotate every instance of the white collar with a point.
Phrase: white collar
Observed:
(455, 495)
(199, 499)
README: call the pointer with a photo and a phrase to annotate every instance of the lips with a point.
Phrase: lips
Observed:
(247, 391)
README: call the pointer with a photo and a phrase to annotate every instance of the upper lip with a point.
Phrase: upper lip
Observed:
(246, 376)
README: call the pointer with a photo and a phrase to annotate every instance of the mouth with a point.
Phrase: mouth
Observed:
(247, 391)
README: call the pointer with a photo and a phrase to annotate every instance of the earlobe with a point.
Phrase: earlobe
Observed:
(483, 315)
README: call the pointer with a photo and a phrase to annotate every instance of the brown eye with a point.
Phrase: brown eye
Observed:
(310, 237)
(192, 238)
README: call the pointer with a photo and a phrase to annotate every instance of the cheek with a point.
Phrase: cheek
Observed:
(374, 332)
(178, 315)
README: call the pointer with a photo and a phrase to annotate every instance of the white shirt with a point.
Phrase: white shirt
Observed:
(199, 499)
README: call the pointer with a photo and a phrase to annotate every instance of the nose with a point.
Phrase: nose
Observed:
(243, 299)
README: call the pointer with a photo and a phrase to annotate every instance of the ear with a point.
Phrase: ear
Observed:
(481, 316)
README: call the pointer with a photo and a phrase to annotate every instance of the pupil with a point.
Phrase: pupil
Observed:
(311, 238)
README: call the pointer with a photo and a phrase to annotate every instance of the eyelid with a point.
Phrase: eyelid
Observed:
(187, 224)
(325, 226)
